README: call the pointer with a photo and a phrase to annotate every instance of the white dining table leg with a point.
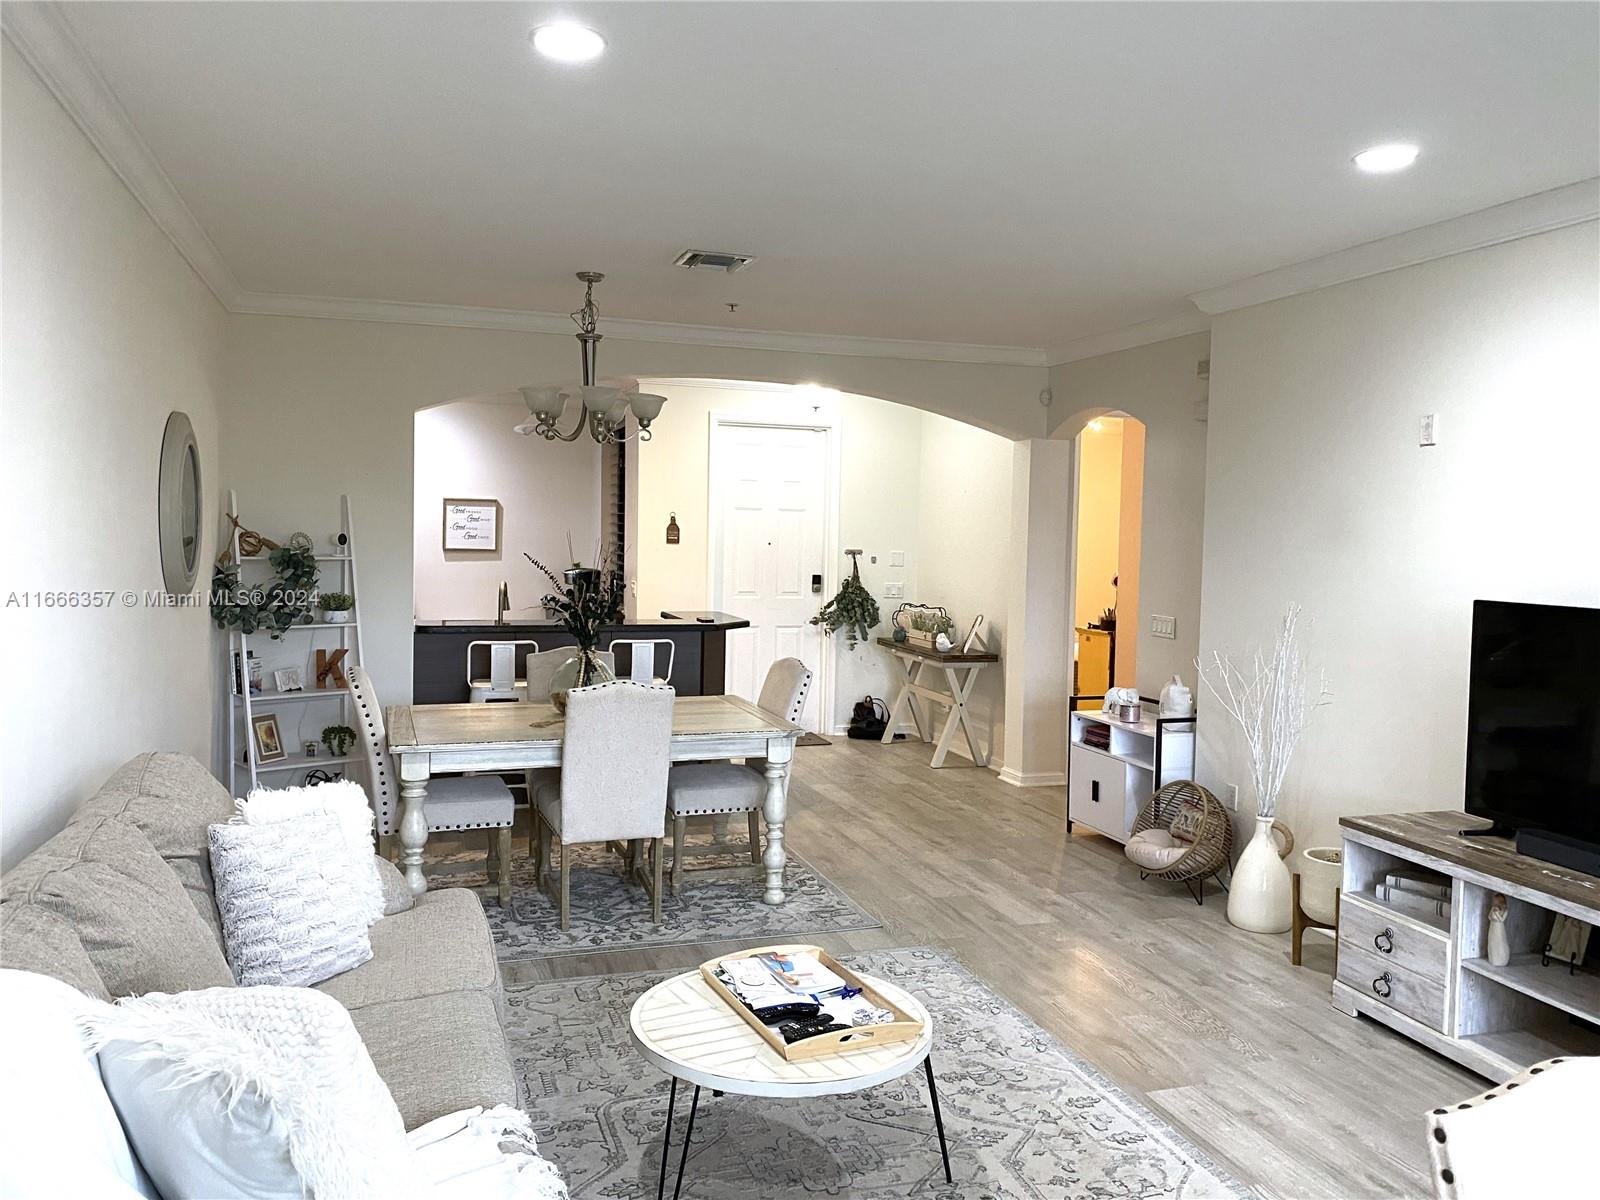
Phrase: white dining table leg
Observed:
(413, 819)
(774, 812)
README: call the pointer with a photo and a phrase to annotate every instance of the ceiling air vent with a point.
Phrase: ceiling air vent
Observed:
(713, 260)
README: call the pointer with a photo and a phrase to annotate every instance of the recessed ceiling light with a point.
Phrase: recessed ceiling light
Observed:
(1392, 156)
(568, 42)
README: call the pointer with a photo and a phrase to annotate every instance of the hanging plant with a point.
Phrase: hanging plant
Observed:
(853, 609)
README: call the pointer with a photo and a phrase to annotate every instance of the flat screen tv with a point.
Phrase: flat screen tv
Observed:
(1533, 718)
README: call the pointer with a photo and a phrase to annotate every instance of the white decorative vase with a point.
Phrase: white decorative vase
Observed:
(1259, 891)
(1321, 874)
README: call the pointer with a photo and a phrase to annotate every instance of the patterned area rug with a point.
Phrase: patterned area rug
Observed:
(611, 913)
(1025, 1117)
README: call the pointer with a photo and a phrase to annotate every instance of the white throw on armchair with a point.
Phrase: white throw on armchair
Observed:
(454, 802)
(613, 783)
(719, 789)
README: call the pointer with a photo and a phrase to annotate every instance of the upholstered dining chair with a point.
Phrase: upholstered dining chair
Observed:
(540, 669)
(455, 802)
(613, 782)
(723, 789)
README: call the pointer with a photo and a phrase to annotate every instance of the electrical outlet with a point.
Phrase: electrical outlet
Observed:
(1231, 800)
(894, 591)
(1428, 430)
(1163, 627)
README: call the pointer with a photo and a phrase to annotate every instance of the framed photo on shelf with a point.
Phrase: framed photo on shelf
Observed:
(472, 524)
(269, 742)
(288, 679)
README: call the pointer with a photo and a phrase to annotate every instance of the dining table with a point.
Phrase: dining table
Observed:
(451, 739)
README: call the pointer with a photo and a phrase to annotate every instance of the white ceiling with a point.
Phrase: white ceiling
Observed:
(1007, 174)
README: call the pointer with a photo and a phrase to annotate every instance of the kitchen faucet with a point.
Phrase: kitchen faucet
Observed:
(504, 603)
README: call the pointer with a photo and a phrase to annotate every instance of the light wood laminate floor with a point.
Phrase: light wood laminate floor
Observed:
(1209, 1025)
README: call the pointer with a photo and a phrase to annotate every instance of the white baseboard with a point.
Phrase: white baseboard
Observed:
(1033, 779)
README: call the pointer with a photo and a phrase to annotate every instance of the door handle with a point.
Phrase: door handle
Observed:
(816, 583)
(1094, 790)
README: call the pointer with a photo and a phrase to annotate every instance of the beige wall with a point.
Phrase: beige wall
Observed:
(547, 490)
(1156, 384)
(106, 331)
(1317, 491)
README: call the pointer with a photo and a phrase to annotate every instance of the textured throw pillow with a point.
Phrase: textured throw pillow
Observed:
(1185, 826)
(291, 914)
(397, 897)
(347, 802)
(253, 1092)
(132, 917)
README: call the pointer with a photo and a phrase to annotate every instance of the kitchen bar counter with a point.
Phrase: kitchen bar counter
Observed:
(439, 671)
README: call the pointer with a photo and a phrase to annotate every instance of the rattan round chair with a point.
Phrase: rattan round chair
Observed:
(1208, 851)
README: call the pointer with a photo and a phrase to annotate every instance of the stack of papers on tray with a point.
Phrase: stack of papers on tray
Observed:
(765, 981)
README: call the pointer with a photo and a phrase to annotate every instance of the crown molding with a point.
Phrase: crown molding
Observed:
(1145, 333)
(42, 36)
(525, 321)
(1539, 213)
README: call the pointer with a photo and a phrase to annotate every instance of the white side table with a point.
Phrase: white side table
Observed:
(684, 1028)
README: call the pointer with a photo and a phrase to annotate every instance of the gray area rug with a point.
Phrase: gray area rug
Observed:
(1025, 1117)
(611, 913)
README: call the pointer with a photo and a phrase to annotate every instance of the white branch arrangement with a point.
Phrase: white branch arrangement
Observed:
(1269, 701)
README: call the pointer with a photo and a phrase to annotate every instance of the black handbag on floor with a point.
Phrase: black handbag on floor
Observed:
(868, 719)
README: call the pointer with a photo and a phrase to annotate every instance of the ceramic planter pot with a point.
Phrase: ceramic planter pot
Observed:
(1259, 892)
(1321, 873)
(335, 618)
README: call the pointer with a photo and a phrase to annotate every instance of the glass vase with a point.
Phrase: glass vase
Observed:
(584, 668)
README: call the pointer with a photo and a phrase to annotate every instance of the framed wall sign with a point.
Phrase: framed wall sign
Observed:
(472, 524)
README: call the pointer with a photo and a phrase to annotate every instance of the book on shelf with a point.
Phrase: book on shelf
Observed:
(1411, 902)
(1420, 882)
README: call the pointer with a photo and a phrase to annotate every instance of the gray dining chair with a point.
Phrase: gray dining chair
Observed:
(455, 803)
(725, 789)
(538, 672)
(612, 787)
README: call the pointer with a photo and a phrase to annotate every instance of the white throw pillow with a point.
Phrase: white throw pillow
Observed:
(1155, 849)
(290, 910)
(485, 1154)
(253, 1092)
(59, 1135)
(347, 801)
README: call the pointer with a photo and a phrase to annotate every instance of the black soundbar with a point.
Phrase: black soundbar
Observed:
(1560, 849)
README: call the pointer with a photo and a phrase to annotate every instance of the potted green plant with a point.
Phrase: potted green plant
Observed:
(336, 606)
(585, 600)
(338, 739)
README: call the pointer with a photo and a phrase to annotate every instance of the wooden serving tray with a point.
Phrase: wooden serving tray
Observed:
(904, 1028)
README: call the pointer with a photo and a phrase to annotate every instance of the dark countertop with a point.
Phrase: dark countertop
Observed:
(684, 619)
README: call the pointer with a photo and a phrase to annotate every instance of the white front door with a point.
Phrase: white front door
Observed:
(771, 485)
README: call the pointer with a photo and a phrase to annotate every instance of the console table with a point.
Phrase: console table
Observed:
(960, 670)
(1428, 976)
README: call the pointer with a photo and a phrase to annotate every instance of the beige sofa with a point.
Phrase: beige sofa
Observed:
(120, 903)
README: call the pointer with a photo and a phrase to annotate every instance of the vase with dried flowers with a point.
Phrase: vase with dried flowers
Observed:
(585, 600)
(1270, 700)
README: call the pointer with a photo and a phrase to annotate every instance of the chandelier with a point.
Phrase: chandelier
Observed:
(603, 404)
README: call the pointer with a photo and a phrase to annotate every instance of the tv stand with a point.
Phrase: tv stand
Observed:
(1427, 975)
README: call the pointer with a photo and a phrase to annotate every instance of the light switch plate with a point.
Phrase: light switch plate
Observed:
(1428, 430)
(897, 558)
(1231, 800)
(1163, 627)
(894, 591)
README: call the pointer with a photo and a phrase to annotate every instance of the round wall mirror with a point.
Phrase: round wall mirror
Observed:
(178, 505)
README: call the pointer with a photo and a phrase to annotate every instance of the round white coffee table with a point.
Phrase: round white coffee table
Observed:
(689, 1032)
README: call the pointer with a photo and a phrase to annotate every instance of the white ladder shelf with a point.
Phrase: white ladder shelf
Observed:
(244, 766)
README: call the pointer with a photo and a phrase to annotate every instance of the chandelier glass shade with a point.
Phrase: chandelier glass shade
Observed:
(602, 405)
